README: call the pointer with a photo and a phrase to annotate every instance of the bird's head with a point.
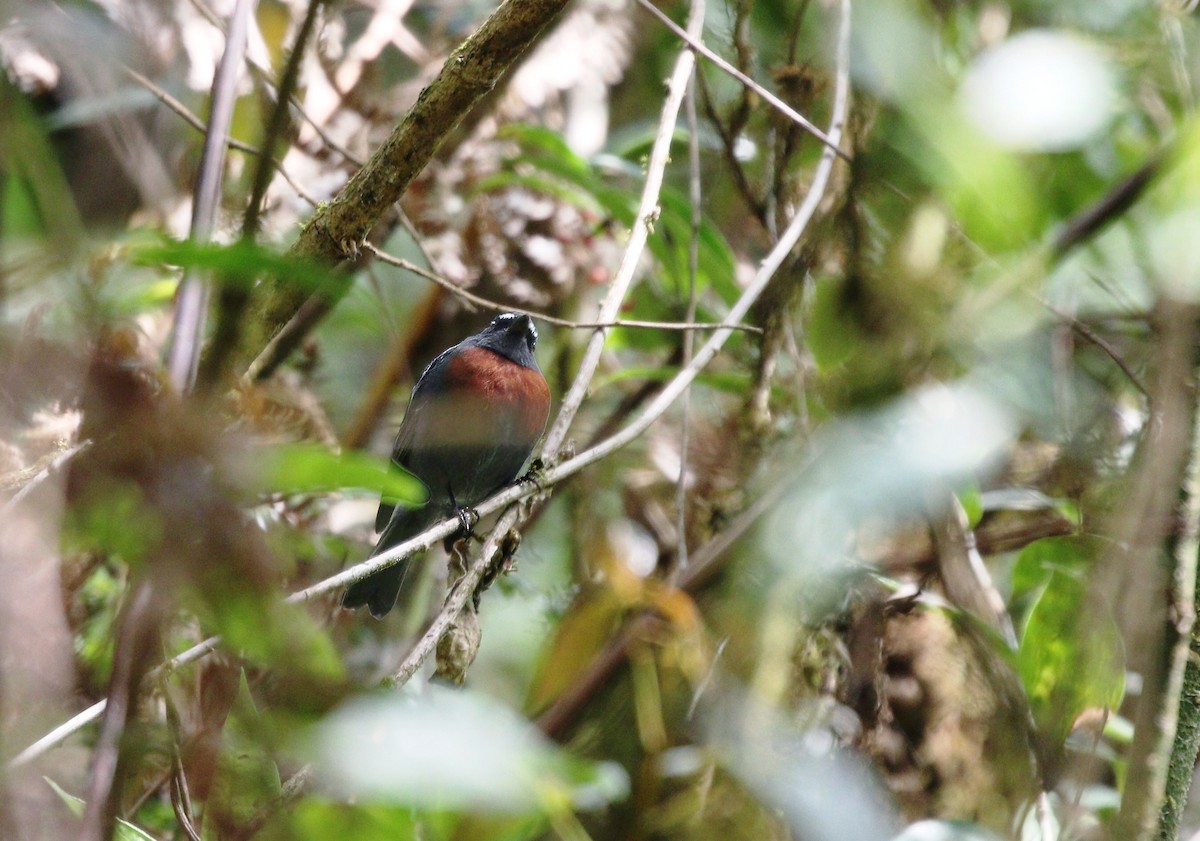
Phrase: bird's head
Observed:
(511, 335)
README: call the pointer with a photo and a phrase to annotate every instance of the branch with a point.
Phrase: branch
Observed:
(638, 234)
(338, 228)
(496, 306)
(464, 589)
(1181, 763)
(234, 297)
(831, 143)
(191, 300)
(1131, 574)
(560, 472)
(195, 122)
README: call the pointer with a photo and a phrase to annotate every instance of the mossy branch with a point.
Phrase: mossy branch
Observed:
(338, 228)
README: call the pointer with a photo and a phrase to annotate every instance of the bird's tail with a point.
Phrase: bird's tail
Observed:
(379, 592)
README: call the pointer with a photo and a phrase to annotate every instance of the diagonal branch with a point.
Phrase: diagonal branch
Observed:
(638, 234)
(560, 472)
(788, 111)
(191, 301)
(338, 228)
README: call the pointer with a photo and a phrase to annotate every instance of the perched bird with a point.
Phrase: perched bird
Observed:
(473, 420)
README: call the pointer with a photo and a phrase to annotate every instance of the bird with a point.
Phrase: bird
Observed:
(474, 418)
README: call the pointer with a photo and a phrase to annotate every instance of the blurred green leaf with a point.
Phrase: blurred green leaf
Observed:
(239, 261)
(318, 819)
(125, 831)
(311, 468)
(832, 338)
(267, 631)
(247, 778)
(453, 749)
(1039, 560)
(1065, 666)
(971, 499)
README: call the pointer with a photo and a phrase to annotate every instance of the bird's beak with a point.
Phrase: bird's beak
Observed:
(519, 325)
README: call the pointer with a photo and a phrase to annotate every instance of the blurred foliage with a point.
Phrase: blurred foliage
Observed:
(944, 371)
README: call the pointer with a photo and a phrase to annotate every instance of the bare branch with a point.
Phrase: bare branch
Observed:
(195, 122)
(560, 472)
(191, 300)
(338, 228)
(777, 103)
(638, 234)
(496, 306)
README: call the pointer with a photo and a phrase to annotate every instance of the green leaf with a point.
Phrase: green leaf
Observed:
(311, 468)
(239, 261)
(125, 831)
(832, 338)
(459, 750)
(1065, 666)
(247, 777)
(971, 499)
(1040, 559)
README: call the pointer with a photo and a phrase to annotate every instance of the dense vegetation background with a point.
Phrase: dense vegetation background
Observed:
(905, 549)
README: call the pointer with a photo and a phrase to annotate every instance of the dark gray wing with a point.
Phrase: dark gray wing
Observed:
(402, 449)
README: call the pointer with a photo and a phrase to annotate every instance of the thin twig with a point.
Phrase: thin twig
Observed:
(640, 231)
(695, 195)
(191, 299)
(777, 103)
(137, 626)
(234, 296)
(263, 76)
(560, 472)
(729, 150)
(497, 306)
(85, 717)
(42, 475)
(195, 122)
(464, 589)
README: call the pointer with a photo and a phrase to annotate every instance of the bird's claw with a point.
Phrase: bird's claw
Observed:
(467, 518)
(533, 476)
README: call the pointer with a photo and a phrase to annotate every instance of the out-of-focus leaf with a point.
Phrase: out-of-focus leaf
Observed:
(19, 214)
(1040, 559)
(317, 819)
(240, 261)
(310, 468)
(268, 631)
(823, 795)
(582, 633)
(118, 522)
(1064, 666)
(247, 778)
(1072, 99)
(887, 464)
(830, 338)
(452, 749)
(931, 830)
(125, 831)
(101, 595)
(971, 500)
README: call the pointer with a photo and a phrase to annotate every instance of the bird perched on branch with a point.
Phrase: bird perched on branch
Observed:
(474, 418)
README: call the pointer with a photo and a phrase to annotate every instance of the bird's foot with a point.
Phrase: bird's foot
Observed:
(467, 518)
(533, 476)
